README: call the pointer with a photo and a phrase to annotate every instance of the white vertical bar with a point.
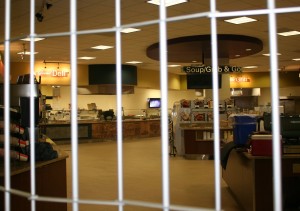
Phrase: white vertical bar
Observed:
(119, 102)
(32, 108)
(164, 107)
(7, 105)
(74, 126)
(277, 187)
(214, 52)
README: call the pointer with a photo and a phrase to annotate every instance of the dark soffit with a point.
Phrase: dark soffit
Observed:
(195, 48)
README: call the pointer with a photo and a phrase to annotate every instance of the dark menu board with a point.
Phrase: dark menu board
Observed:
(106, 74)
(201, 81)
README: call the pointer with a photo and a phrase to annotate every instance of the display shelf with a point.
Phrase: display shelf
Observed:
(200, 140)
(207, 134)
(18, 136)
(201, 115)
(197, 115)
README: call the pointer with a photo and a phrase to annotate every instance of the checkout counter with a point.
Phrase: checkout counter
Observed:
(249, 173)
(51, 181)
(249, 179)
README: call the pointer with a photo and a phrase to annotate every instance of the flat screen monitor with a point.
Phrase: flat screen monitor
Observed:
(202, 81)
(154, 102)
(290, 126)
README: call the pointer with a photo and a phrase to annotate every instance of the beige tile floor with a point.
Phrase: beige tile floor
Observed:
(191, 181)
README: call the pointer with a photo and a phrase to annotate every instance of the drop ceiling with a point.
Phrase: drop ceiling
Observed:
(95, 14)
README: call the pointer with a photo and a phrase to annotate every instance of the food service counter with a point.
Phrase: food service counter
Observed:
(50, 182)
(102, 130)
(250, 180)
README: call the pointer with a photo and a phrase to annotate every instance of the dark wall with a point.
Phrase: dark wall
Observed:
(246, 102)
(291, 106)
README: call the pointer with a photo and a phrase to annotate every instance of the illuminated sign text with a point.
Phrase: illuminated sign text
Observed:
(208, 69)
(240, 79)
(53, 73)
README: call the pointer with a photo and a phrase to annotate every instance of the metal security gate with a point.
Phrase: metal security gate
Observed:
(213, 14)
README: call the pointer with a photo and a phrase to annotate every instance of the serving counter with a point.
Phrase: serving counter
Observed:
(50, 182)
(251, 182)
(102, 130)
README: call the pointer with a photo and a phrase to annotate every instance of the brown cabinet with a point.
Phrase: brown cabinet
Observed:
(154, 128)
(62, 130)
(200, 140)
(194, 146)
(131, 129)
(105, 130)
(50, 182)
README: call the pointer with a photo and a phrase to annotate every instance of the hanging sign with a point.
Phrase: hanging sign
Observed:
(208, 69)
(53, 73)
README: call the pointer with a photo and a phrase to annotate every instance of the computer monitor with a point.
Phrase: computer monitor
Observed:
(154, 102)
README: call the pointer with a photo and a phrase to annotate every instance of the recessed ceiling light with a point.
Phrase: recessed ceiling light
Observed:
(167, 2)
(296, 59)
(237, 55)
(134, 62)
(25, 53)
(174, 65)
(130, 30)
(248, 49)
(36, 39)
(194, 61)
(86, 57)
(102, 47)
(240, 20)
(289, 33)
(250, 67)
(267, 54)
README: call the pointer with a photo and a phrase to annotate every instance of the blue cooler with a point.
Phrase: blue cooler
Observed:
(243, 126)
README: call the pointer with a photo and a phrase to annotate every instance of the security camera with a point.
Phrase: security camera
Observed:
(48, 5)
(39, 16)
